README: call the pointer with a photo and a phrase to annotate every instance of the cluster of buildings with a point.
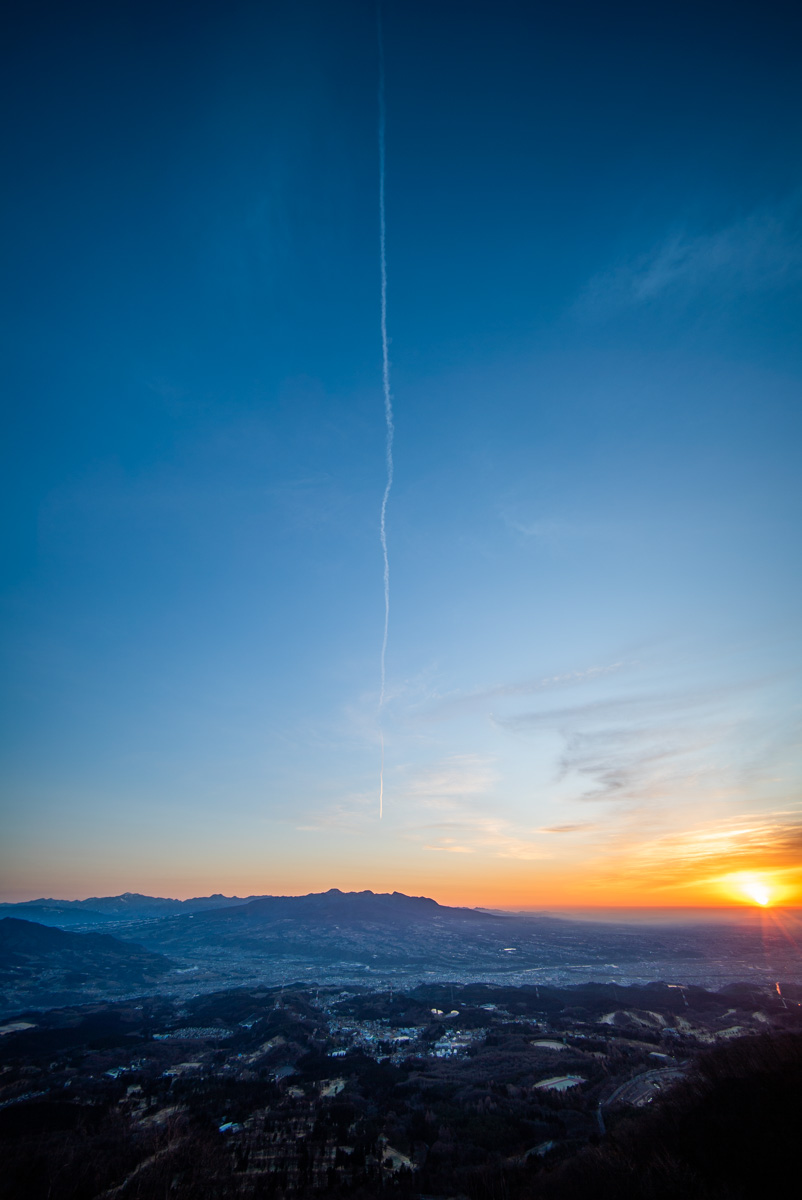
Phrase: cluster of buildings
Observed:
(383, 1040)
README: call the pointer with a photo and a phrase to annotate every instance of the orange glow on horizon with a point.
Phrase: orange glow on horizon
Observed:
(654, 875)
(764, 889)
(518, 889)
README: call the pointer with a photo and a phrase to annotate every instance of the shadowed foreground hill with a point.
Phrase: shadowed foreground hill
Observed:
(138, 1121)
(731, 1132)
(54, 965)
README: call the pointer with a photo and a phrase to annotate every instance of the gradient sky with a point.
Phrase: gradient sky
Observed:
(595, 272)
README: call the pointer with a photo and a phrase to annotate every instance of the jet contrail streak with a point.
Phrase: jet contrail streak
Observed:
(388, 400)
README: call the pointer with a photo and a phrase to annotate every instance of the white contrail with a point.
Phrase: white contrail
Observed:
(388, 400)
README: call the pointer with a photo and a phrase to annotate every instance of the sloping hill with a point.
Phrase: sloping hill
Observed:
(730, 1132)
(42, 965)
(55, 913)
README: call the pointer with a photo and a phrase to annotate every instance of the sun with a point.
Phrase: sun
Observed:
(747, 885)
(766, 888)
(758, 892)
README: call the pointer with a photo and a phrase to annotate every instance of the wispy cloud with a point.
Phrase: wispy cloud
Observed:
(544, 529)
(650, 747)
(455, 778)
(710, 852)
(757, 253)
(570, 827)
(554, 531)
(439, 707)
(624, 763)
(447, 845)
(492, 837)
(459, 792)
(348, 815)
(619, 774)
(449, 786)
(778, 835)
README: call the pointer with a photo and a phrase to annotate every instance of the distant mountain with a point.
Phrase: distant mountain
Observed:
(347, 908)
(222, 937)
(365, 930)
(42, 965)
(99, 909)
(330, 906)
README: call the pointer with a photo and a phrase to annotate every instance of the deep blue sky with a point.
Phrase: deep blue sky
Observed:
(595, 261)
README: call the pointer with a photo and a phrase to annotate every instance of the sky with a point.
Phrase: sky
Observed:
(594, 275)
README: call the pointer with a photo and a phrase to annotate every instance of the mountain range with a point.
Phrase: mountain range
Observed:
(345, 938)
(365, 905)
(99, 909)
(212, 939)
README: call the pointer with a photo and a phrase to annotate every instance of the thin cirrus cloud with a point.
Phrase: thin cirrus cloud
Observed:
(445, 706)
(624, 764)
(772, 841)
(570, 827)
(654, 748)
(454, 778)
(460, 787)
(758, 253)
(449, 785)
(551, 531)
(492, 837)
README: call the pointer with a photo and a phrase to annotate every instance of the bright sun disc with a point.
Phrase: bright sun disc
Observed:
(764, 888)
(758, 892)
